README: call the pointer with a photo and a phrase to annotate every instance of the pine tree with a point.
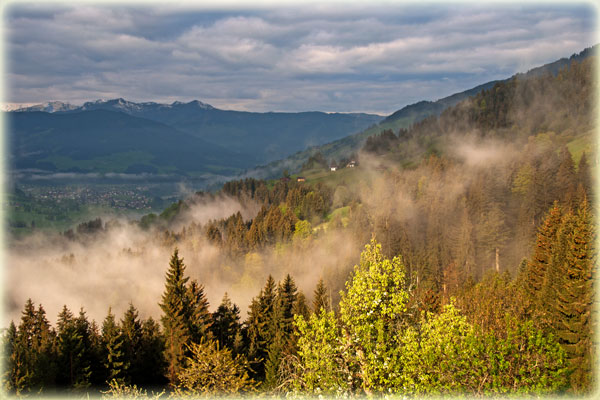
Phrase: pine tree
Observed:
(8, 350)
(566, 178)
(573, 295)
(259, 328)
(89, 361)
(175, 309)
(199, 317)
(300, 306)
(73, 364)
(152, 362)
(536, 277)
(131, 330)
(113, 355)
(281, 330)
(584, 176)
(226, 323)
(255, 326)
(33, 358)
(286, 297)
(320, 298)
(276, 327)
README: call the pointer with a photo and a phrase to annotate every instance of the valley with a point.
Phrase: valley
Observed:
(313, 253)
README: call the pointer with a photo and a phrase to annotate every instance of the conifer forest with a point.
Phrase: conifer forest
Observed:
(458, 257)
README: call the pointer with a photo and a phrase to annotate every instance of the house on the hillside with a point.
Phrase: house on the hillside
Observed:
(351, 164)
(333, 168)
(285, 179)
(301, 179)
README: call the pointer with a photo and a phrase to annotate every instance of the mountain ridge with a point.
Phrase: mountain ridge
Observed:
(404, 118)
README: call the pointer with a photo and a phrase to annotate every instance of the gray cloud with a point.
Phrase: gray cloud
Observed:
(374, 58)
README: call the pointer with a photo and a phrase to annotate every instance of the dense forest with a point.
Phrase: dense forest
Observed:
(461, 259)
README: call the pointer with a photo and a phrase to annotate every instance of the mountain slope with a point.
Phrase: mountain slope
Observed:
(107, 141)
(404, 118)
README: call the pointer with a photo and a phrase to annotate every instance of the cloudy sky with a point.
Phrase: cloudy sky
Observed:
(325, 56)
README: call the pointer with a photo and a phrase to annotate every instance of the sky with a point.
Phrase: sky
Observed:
(322, 56)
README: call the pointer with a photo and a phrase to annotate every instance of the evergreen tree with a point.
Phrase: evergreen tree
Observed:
(566, 178)
(280, 329)
(152, 362)
(320, 298)
(33, 357)
(73, 364)
(198, 315)
(131, 331)
(226, 324)
(584, 175)
(536, 279)
(254, 327)
(259, 328)
(90, 362)
(300, 307)
(113, 355)
(175, 308)
(572, 297)
(9, 339)
(287, 293)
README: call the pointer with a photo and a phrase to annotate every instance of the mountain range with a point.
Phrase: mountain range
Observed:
(186, 138)
(196, 139)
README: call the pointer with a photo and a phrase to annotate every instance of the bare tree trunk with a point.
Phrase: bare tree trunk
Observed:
(497, 259)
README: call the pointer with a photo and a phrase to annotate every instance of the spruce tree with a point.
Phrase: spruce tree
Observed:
(286, 297)
(199, 317)
(8, 350)
(131, 331)
(175, 308)
(89, 361)
(280, 329)
(573, 295)
(152, 362)
(33, 357)
(300, 306)
(584, 176)
(73, 365)
(254, 327)
(226, 323)
(258, 328)
(566, 178)
(320, 298)
(112, 346)
(536, 277)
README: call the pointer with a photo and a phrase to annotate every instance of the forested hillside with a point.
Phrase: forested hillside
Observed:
(406, 117)
(456, 256)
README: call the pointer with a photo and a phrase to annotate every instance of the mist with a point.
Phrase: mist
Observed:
(125, 264)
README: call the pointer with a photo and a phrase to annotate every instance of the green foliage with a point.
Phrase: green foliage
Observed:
(448, 355)
(323, 368)
(302, 230)
(370, 311)
(112, 343)
(523, 359)
(211, 370)
(444, 356)
(226, 324)
(174, 320)
(119, 390)
(321, 298)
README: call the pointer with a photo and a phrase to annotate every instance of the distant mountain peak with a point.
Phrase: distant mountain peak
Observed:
(200, 104)
(50, 107)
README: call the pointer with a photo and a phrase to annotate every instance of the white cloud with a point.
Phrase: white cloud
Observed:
(324, 57)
